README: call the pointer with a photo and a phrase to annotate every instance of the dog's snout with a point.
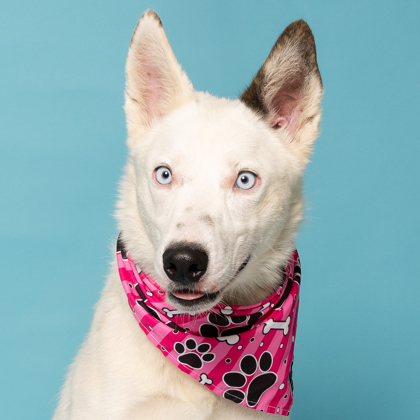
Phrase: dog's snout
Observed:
(185, 264)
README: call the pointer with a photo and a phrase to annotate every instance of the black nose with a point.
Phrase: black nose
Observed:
(185, 264)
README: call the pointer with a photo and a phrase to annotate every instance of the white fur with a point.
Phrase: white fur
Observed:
(207, 142)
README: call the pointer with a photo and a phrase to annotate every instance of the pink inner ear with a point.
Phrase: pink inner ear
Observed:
(154, 91)
(287, 111)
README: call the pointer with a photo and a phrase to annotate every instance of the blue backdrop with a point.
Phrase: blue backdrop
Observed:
(62, 134)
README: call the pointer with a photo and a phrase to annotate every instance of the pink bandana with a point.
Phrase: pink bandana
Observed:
(243, 353)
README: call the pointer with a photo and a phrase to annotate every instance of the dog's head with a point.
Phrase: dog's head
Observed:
(211, 199)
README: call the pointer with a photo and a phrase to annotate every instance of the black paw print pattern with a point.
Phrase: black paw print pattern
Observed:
(219, 322)
(297, 273)
(258, 385)
(188, 356)
(296, 278)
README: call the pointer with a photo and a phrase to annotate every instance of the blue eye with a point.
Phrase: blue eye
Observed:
(163, 175)
(246, 180)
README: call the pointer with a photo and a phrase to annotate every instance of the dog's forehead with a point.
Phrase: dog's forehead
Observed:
(215, 125)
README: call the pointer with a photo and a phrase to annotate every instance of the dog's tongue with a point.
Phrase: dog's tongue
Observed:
(188, 295)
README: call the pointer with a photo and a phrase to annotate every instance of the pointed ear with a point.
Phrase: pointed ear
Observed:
(287, 89)
(155, 81)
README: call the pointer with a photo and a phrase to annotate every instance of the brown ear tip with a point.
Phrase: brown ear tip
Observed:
(300, 34)
(300, 22)
(299, 29)
(151, 14)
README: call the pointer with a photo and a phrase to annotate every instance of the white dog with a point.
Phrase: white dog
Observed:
(209, 208)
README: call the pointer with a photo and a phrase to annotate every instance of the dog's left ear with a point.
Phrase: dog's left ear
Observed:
(287, 90)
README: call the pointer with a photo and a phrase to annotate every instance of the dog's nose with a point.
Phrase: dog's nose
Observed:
(185, 264)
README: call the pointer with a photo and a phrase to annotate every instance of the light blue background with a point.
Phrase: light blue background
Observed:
(62, 134)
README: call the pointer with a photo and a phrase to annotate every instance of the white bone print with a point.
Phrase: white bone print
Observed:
(171, 312)
(205, 380)
(230, 339)
(277, 325)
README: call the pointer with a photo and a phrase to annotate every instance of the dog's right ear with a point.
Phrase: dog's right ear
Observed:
(287, 89)
(155, 82)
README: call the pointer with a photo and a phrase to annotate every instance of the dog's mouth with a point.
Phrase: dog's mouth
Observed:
(243, 265)
(192, 298)
(188, 298)
(187, 294)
